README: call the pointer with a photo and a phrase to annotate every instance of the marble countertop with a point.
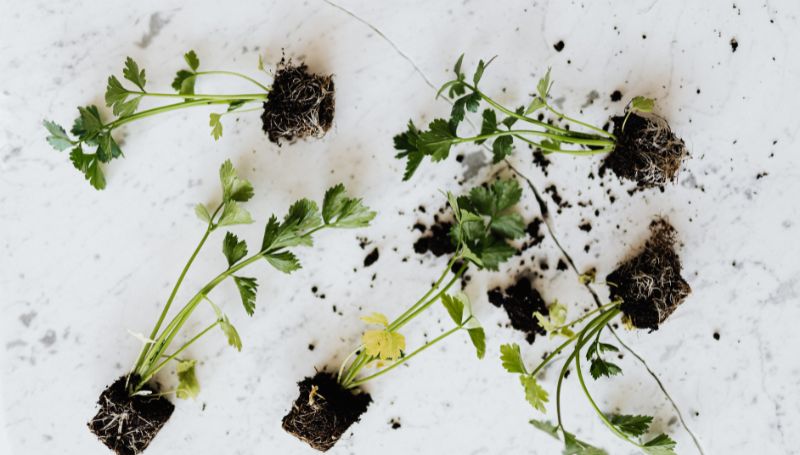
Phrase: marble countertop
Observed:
(80, 269)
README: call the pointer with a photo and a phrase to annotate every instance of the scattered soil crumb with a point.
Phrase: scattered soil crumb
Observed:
(520, 301)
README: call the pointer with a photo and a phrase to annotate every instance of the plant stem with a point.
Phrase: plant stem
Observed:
(150, 373)
(161, 109)
(572, 140)
(195, 96)
(578, 122)
(232, 73)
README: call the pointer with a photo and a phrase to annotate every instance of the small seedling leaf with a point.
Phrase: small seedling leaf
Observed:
(512, 359)
(230, 332)
(546, 427)
(660, 445)
(215, 124)
(202, 212)
(247, 290)
(58, 138)
(132, 73)
(376, 318)
(234, 188)
(284, 261)
(478, 338)
(233, 214)
(454, 307)
(534, 393)
(643, 104)
(233, 248)
(383, 344)
(188, 387)
(192, 60)
(632, 425)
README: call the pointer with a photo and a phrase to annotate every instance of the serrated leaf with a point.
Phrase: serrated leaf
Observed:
(512, 359)
(454, 307)
(457, 66)
(509, 121)
(437, 140)
(132, 73)
(90, 166)
(600, 367)
(534, 393)
(271, 233)
(383, 344)
(643, 104)
(632, 425)
(341, 211)
(107, 148)
(509, 226)
(233, 214)
(188, 386)
(115, 93)
(478, 338)
(536, 104)
(480, 69)
(184, 81)
(202, 212)
(376, 318)
(507, 192)
(233, 248)
(58, 138)
(488, 124)
(230, 332)
(234, 187)
(215, 124)
(88, 123)
(660, 445)
(574, 446)
(545, 426)
(248, 287)
(502, 147)
(285, 261)
(192, 60)
(543, 87)
(495, 254)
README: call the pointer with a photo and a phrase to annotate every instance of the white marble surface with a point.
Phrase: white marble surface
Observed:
(80, 268)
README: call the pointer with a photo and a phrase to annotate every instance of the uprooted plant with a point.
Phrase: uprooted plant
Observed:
(132, 411)
(647, 151)
(645, 291)
(298, 104)
(483, 225)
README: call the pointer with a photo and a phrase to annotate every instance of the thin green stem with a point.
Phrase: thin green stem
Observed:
(153, 370)
(161, 109)
(586, 316)
(569, 139)
(400, 323)
(232, 73)
(434, 287)
(578, 122)
(196, 96)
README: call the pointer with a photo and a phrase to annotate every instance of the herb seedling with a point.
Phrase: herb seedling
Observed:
(646, 290)
(132, 412)
(297, 104)
(501, 126)
(483, 226)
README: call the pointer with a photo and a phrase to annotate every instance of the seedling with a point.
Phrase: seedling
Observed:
(484, 223)
(131, 410)
(500, 125)
(298, 104)
(646, 290)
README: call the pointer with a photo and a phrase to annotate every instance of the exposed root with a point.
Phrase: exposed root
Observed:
(647, 151)
(324, 411)
(650, 284)
(300, 104)
(127, 424)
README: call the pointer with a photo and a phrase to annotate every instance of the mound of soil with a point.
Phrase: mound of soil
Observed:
(647, 151)
(300, 104)
(437, 240)
(127, 424)
(520, 300)
(321, 417)
(650, 284)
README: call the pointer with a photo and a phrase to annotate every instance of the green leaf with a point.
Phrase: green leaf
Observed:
(233, 248)
(202, 212)
(88, 123)
(271, 233)
(383, 344)
(534, 393)
(507, 193)
(509, 226)
(600, 367)
(574, 446)
(58, 138)
(341, 211)
(660, 445)
(489, 124)
(509, 121)
(188, 387)
(642, 104)
(90, 166)
(457, 67)
(285, 261)
(234, 187)
(302, 216)
(260, 65)
(479, 71)
(247, 290)
(107, 148)
(184, 82)
(495, 254)
(454, 307)
(232, 214)
(215, 124)
(632, 425)
(192, 60)
(478, 337)
(544, 85)
(512, 359)
(501, 148)
(376, 319)
(545, 426)
(536, 104)
(406, 143)
(116, 94)
(132, 73)
(230, 332)
(437, 140)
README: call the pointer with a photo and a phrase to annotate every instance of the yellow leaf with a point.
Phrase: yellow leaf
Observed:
(376, 318)
(383, 344)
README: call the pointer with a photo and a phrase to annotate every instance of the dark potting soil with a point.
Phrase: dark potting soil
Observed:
(541, 161)
(437, 240)
(371, 257)
(650, 284)
(647, 151)
(321, 417)
(520, 300)
(300, 104)
(127, 424)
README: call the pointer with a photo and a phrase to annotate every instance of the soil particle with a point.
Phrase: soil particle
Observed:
(647, 151)
(616, 95)
(436, 240)
(586, 226)
(541, 161)
(559, 46)
(716, 335)
(127, 424)
(650, 284)
(559, 201)
(371, 257)
(395, 423)
(520, 301)
(534, 232)
(561, 266)
(734, 44)
(300, 104)
(323, 411)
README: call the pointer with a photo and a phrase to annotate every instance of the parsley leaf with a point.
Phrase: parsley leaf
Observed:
(437, 140)
(247, 290)
(192, 60)
(285, 261)
(642, 104)
(600, 367)
(232, 214)
(488, 125)
(512, 359)
(501, 148)
(454, 307)
(132, 73)
(342, 211)
(230, 332)
(58, 138)
(234, 188)
(574, 446)
(383, 344)
(233, 248)
(406, 142)
(90, 166)
(215, 124)
(632, 425)
(545, 426)
(544, 85)
(376, 318)
(660, 445)
(478, 338)
(534, 393)
(510, 226)
(202, 212)
(188, 386)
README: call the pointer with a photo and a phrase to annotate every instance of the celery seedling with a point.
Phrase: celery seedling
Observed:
(127, 421)
(501, 126)
(646, 290)
(484, 223)
(297, 104)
